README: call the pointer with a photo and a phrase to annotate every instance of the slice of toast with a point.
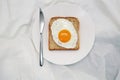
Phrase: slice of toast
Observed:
(52, 45)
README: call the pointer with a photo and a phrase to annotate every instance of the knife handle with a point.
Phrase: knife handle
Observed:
(41, 50)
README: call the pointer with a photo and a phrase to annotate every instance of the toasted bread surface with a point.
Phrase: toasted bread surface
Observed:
(52, 45)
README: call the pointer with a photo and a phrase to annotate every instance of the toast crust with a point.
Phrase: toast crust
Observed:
(51, 43)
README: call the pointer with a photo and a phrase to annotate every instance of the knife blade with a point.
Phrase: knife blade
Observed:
(42, 23)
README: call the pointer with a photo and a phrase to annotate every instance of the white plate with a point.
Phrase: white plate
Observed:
(87, 34)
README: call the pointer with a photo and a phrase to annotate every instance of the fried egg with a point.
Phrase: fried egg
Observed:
(64, 33)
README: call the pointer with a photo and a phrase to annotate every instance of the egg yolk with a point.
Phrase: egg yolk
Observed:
(64, 36)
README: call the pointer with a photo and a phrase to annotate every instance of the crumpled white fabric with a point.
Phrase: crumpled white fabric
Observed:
(19, 58)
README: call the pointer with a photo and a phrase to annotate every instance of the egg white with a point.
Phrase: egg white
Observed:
(59, 25)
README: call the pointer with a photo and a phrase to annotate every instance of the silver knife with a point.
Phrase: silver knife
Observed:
(42, 23)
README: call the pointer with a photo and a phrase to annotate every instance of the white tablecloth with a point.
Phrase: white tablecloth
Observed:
(19, 58)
